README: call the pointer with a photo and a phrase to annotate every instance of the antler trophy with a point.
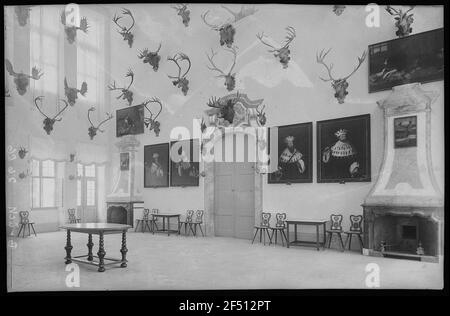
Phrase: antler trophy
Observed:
(227, 30)
(152, 58)
(92, 130)
(22, 80)
(230, 78)
(71, 30)
(181, 81)
(403, 20)
(225, 110)
(49, 122)
(126, 93)
(283, 52)
(183, 12)
(150, 122)
(23, 14)
(125, 31)
(72, 93)
(340, 85)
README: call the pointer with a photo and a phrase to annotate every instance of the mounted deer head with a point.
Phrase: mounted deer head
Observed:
(126, 93)
(152, 58)
(230, 78)
(338, 9)
(22, 152)
(184, 13)
(150, 122)
(23, 14)
(92, 130)
(181, 81)
(403, 20)
(227, 30)
(125, 31)
(339, 85)
(71, 30)
(72, 93)
(283, 52)
(49, 122)
(22, 80)
(226, 110)
(261, 115)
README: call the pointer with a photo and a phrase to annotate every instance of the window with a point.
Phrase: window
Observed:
(86, 185)
(43, 184)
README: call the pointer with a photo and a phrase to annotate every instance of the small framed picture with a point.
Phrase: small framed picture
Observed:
(294, 154)
(343, 149)
(124, 161)
(156, 165)
(184, 163)
(130, 120)
(405, 132)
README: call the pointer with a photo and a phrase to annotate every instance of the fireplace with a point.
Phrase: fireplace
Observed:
(122, 212)
(117, 214)
(404, 211)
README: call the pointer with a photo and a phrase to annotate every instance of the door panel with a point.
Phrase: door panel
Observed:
(234, 199)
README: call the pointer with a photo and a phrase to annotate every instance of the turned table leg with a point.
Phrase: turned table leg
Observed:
(68, 248)
(90, 244)
(101, 254)
(124, 249)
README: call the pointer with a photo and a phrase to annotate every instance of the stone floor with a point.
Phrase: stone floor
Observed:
(161, 262)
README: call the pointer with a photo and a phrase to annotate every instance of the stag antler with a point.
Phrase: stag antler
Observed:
(260, 37)
(175, 59)
(290, 36)
(40, 100)
(108, 117)
(320, 59)
(244, 12)
(212, 26)
(215, 68)
(260, 112)
(360, 61)
(57, 114)
(214, 102)
(153, 100)
(154, 124)
(124, 31)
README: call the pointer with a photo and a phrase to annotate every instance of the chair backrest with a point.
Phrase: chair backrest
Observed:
(155, 211)
(336, 221)
(189, 215)
(72, 215)
(356, 223)
(145, 214)
(199, 216)
(281, 220)
(24, 217)
(265, 219)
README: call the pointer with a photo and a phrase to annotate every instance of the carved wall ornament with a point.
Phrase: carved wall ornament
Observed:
(22, 152)
(124, 30)
(126, 93)
(403, 20)
(71, 30)
(92, 130)
(180, 80)
(339, 85)
(183, 11)
(230, 78)
(49, 121)
(227, 29)
(283, 52)
(152, 58)
(22, 80)
(72, 93)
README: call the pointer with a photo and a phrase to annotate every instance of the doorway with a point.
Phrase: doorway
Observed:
(87, 193)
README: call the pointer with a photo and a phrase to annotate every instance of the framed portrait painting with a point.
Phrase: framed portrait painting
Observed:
(124, 161)
(405, 132)
(156, 165)
(414, 58)
(184, 163)
(343, 149)
(293, 154)
(130, 121)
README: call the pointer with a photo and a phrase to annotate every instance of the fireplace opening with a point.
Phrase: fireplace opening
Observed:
(117, 215)
(409, 232)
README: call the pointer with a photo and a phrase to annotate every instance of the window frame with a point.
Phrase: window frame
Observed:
(41, 177)
(84, 179)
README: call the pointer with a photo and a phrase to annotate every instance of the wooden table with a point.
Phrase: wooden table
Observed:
(168, 217)
(100, 229)
(299, 222)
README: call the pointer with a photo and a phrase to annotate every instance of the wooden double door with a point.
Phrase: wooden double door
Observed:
(234, 199)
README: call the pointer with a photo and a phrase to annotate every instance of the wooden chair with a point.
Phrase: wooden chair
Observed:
(73, 219)
(144, 221)
(280, 227)
(336, 228)
(187, 221)
(153, 221)
(264, 226)
(355, 229)
(24, 223)
(197, 221)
